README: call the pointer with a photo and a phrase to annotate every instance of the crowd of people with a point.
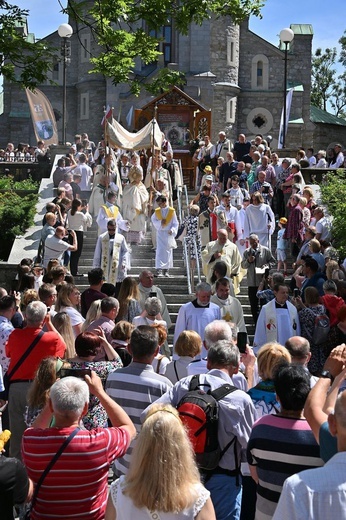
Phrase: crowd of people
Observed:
(91, 382)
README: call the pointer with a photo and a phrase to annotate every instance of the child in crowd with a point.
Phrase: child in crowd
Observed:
(282, 245)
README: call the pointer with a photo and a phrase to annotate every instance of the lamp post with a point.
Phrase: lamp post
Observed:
(286, 36)
(65, 32)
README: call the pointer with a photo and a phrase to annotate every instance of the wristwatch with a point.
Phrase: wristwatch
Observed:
(327, 375)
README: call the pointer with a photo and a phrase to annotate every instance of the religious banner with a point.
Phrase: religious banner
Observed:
(43, 117)
(283, 131)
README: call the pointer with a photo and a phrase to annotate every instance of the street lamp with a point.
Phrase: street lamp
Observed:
(286, 36)
(65, 32)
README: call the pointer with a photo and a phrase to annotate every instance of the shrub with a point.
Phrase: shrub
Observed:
(8, 183)
(333, 193)
(16, 216)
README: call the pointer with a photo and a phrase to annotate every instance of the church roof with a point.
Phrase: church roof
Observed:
(318, 115)
(175, 96)
(302, 28)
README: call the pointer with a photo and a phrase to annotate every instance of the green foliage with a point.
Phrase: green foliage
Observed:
(21, 61)
(323, 77)
(130, 30)
(334, 197)
(8, 183)
(16, 216)
(164, 80)
(326, 86)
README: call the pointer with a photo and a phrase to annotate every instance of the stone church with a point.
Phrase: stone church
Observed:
(230, 71)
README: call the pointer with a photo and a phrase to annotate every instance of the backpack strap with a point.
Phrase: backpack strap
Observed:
(222, 391)
(175, 369)
(194, 383)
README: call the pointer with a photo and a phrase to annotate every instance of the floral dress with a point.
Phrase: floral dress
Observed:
(192, 234)
(307, 318)
(96, 415)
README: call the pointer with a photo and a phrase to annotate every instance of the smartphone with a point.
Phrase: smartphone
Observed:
(296, 292)
(242, 341)
(75, 372)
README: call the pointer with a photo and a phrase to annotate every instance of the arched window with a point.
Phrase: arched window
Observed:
(260, 72)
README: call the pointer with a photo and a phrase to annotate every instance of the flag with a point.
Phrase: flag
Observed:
(107, 115)
(43, 117)
(289, 96)
(129, 117)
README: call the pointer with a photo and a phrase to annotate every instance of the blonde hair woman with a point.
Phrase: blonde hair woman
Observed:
(129, 300)
(93, 314)
(163, 481)
(270, 357)
(62, 323)
(68, 300)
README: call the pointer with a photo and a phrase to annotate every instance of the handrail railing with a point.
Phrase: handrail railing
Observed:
(187, 265)
(180, 213)
(187, 262)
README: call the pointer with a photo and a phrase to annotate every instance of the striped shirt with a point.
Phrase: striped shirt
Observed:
(134, 388)
(279, 447)
(76, 486)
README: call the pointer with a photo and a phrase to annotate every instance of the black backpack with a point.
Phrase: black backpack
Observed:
(199, 412)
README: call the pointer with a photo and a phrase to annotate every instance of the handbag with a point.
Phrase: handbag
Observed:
(171, 242)
(48, 468)
(8, 375)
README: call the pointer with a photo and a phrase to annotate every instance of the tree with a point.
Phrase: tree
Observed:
(126, 30)
(323, 77)
(21, 61)
(326, 87)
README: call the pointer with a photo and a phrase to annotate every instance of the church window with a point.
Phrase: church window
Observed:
(260, 72)
(85, 47)
(84, 106)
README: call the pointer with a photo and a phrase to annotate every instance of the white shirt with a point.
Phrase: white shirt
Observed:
(315, 493)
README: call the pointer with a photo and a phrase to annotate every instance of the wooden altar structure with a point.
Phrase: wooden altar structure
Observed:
(182, 119)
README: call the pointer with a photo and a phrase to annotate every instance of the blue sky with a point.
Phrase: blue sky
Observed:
(327, 21)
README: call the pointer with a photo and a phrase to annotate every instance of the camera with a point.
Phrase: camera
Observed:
(296, 292)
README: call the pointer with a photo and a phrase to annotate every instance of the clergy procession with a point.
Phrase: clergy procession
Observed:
(263, 323)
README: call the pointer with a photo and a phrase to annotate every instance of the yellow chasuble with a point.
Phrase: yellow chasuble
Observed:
(111, 212)
(169, 217)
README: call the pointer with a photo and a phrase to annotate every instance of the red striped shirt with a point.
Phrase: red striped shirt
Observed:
(76, 486)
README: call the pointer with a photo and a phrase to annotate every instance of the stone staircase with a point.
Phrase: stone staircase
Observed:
(175, 289)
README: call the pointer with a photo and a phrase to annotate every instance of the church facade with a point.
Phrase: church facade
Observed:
(229, 70)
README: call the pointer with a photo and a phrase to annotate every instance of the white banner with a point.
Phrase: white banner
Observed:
(118, 136)
(289, 96)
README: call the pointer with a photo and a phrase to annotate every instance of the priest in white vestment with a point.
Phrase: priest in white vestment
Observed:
(259, 220)
(196, 315)
(147, 289)
(111, 254)
(223, 250)
(231, 309)
(110, 211)
(135, 204)
(278, 320)
(166, 224)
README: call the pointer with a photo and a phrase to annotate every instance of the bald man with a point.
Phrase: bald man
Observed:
(223, 250)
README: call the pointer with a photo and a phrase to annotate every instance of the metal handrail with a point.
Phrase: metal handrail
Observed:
(180, 213)
(197, 261)
(186, 196)
(187, 265)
